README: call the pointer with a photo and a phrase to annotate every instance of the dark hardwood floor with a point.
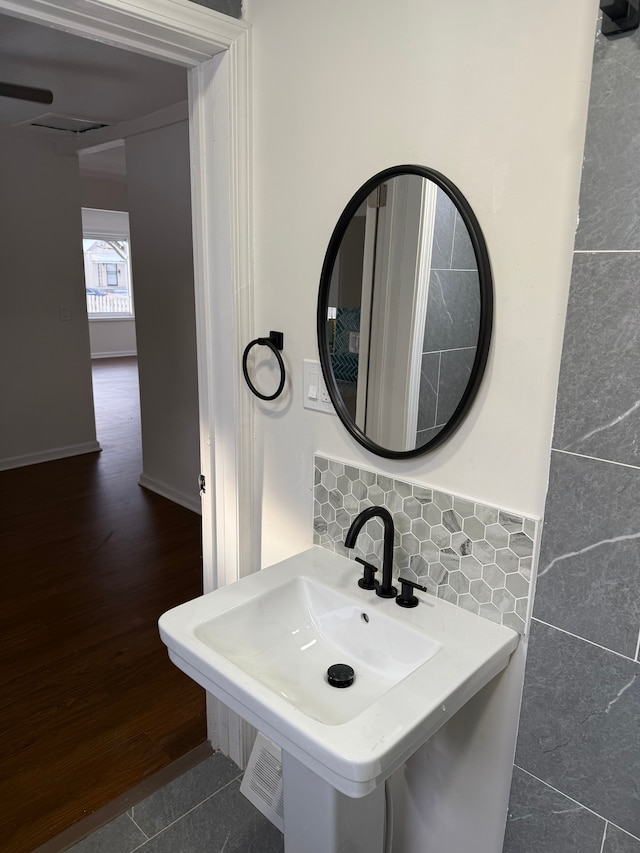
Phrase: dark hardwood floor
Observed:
(89, 703)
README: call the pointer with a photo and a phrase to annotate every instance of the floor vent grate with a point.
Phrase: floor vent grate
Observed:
(62, 124)
(262, 781)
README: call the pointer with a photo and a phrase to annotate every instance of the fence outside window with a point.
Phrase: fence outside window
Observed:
(107, 277)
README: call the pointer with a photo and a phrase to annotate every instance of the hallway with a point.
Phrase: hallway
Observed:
(89, 704)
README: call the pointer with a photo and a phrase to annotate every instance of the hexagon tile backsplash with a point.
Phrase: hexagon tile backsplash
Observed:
(473, 555)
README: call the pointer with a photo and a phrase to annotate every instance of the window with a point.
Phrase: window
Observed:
(107, 270)
(112, 275)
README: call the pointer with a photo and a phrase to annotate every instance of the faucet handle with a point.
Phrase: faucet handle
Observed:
(406, 597)
(367, 580)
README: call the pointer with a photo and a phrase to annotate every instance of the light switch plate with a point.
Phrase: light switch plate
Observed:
(315, 394)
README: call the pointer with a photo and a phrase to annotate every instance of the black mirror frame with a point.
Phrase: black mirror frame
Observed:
(486, 308)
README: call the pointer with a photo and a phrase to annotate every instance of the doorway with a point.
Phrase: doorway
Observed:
(216, 51)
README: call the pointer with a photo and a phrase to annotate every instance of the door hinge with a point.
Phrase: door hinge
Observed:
(202, 483)
(378, 198)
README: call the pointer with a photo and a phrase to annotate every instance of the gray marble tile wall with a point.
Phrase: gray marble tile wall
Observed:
(227, 7)
(576, 784)
(476, 556)
(451, 329)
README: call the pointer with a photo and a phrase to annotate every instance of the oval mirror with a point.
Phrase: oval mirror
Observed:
(405, 311)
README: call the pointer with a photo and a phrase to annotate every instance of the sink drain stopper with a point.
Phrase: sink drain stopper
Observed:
(340, 675)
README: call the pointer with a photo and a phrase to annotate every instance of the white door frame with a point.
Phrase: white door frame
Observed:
(216, 50)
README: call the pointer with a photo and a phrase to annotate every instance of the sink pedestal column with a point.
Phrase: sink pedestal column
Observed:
(319, 819)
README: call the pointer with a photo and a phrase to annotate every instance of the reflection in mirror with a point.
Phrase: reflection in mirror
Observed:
(405, 308)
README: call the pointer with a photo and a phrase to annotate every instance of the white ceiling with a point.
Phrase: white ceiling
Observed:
(89, 80)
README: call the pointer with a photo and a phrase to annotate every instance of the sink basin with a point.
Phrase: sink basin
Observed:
(263, 646)
(288, 637)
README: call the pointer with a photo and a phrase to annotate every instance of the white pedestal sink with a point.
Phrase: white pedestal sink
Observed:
(263, 646)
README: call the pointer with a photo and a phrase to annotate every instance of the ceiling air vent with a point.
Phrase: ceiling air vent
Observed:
(63, 124)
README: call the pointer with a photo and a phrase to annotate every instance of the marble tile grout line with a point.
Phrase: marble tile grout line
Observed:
(604, 836)
(585, 640)
(453, 269)
(133, 821)
(625, 537)
(595, 458)
(607, 822)
(450, 349)
(605, 427)
(192, 809)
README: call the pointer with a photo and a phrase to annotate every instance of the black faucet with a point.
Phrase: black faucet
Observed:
(385, 589)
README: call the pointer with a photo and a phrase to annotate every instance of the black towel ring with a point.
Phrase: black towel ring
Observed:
(275, 342)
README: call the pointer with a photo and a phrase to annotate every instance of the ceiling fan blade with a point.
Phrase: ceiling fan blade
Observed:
(26, 93)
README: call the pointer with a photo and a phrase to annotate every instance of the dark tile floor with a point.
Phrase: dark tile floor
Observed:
(202, 811)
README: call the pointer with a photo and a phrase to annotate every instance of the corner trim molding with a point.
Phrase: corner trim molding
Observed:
(166, 491)
(176, 30)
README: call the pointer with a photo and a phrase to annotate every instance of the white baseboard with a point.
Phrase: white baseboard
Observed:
(170, 493)
(119, 354)
(49, 455)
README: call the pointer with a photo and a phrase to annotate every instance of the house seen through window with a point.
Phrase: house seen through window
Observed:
(106, 271)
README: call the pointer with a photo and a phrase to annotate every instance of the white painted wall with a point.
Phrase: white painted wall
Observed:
(112, 338)
(162, 265)
(105, 193)
(105, 221)
(493, 96)
(45, 368)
